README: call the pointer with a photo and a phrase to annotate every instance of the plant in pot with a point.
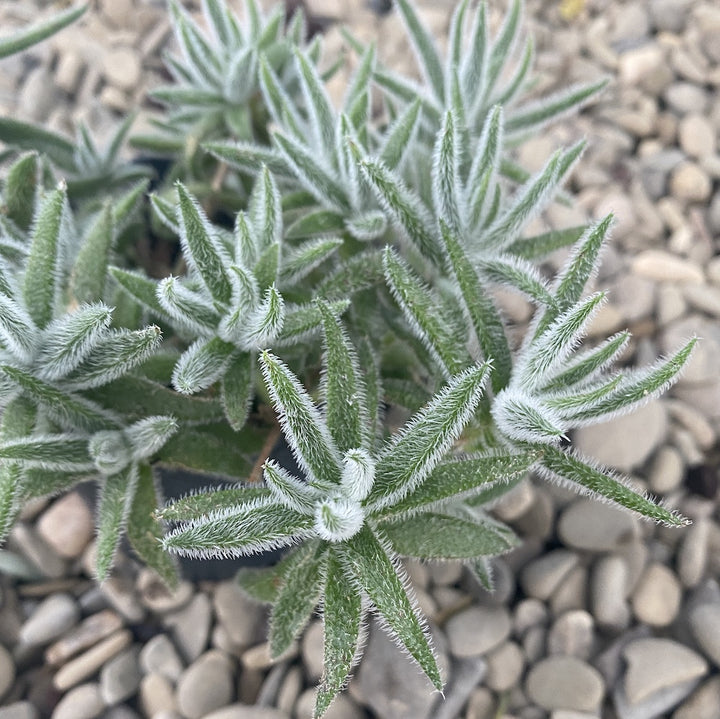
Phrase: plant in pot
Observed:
(335, 283)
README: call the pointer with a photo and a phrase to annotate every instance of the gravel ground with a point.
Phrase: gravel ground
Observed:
(597, 614)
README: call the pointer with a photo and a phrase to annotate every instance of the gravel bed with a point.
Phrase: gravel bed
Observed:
(597, 614)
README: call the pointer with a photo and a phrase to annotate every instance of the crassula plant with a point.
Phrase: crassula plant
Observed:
(337, 269)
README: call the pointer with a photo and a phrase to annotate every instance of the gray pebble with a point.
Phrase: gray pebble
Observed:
(571, 594)
(156, 695)
(607, 593)
(120, 677)
(572, 633)
(505, 665)
(160, 656)
(477, 630)
(703, 703)
(657, 596)
(290, 689)
(533, 644)
(312, 651)
(243, 618)
(705, 625)
(654, 705)
(206, 685)
(596, 527)
(242, 711)
(52, 617)
(190, 626)
(19, 710)
(564, 682)
(342, 707)
(82, 702)
(542, 576)
(692, 557)
(528, 613)
(7, 671)
(667, 469)
(669, 15)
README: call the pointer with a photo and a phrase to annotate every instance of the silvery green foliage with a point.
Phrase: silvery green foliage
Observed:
(361, 504)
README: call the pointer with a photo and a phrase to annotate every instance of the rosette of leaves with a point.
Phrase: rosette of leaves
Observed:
(361, 505)
(230, 301)
(215, 78)
(52, 361)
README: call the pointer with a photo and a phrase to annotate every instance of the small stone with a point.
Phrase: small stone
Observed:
(608, 585)
(32, 546)
(704, 703)
(691, 183)
(465, 676)
(388, 684)
(481, 705)
(120, 594)
(477, 630)
(541, 577)
(259, 656)
(90, 661)
(656, 599)
(242, 711)
(662, 266)
(68, 71)
(505, 665)
(120, 677)
(704, 298)
(694, 421)
(572, 634)
(121, 67)
(625, 442)
(528, 613)
(595, 527)
(640, 63)
(571, 593)
(686, 97)
(697, 136)
(206, 685)
(564, 682)
(515, 503)
(692, 558)
(19, 710)
(7, 671)
(83, 702)
(445, 574)
(67, 526)
(705, 625)
(655, 664)
(666, 471)
(156, 596)
(290, 689)
(38, 95)
(569, 714)
(669, 15)
(90, 631)
(54, 616)
(159, 656)
(190, 626)
(156, 695)
(312, 651)
(243, 618)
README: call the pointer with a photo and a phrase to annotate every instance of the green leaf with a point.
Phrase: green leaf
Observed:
(17, 330)
(446, 182)
(538, 246)
(10, 490)
(414, 452)
(636, 387)
(359, 272)
(424, 48)
(455, 37)
(303, 321)
(239, 531)
(265, 211)
(288, 489)
(89, 274)
(438, 536)
(588, 364)
(68, 340)
(201, 365)
(425, 316)
(567, 401)
(562, 465)
(148, 435)
(302, 260)
(218, 16)
(518, 275)
(318, 222)
(465, 477)
(34, 34)
(113, 356)
(126, 207)
(61, 452)
(317, 104)
(263, 583)
(534, 115)
(482, 569)
(266, 268)
(475, 63)
(504, 43)
(140, 288)
(343, 388)
(249, 157)
(408, 91)
(70, 411)
(201, 504)
(237, 389)
(302, 424)
(314, 177)
(43, 269)
(189, 309)
(517, 81)
(144, 531)
(402, 204)
(282, 108)
(116, 498)
(525, 418)
(201, 248)
(485, 166)
(400, 136)
(548, 351)
(19, 191)
(296, 600)
(25, 136)
(265, 323)
(376, 571)
(342, 623)
(485, 318)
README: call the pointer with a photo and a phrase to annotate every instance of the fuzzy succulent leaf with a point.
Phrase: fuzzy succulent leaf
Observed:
(140, 288)
(61, 452)
(202, 364)
(237, 389)
(539, 246)
(89, 275)
(19, 191)
(377, 572)
(18, 332)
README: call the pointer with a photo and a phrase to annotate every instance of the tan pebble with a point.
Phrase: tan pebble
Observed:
(67, 526)
(121, 67)
(665, 267)
(114, 98)
(704, 298)
(89, 632)
(83, 702)
(258, 657)
(690, 182)
(156, 695)
(697, 136)
(155, 595)
(656, 599)
(90, 662)
(68, 71)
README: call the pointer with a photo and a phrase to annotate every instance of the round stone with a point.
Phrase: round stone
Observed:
(596, 527)
(206, 685)
(477, 630)
(54, 616)
(122, 68)
(705, 625)
(656, 599)
(67, 526)
(243, 619)
(82, 702)
(541, 577)
(564, 682)
(504, 667)
(572, 634)
(691, 183)
(7, 671)
(697, 136)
